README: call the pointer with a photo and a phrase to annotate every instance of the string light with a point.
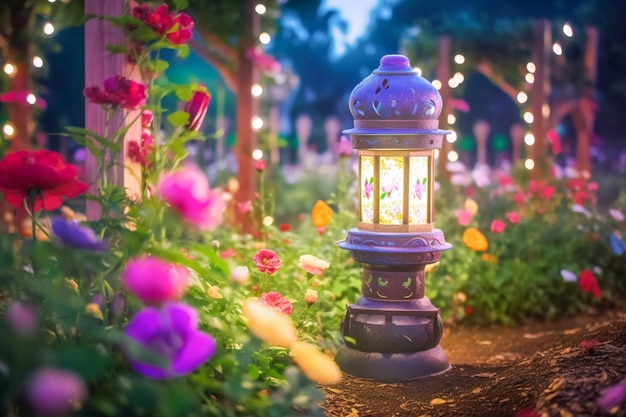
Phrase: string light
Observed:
(453, 156)
(451, 137)
(452, 83)
(528, 117)
(522, 97)
(418, 70)
(265, 38)
(48, 28)
(529, 139)
(9, 69)
(459, 59)
(459, 78)
(257, 123)
(8, 129)
(260, 8)
(530, 78)
(531, 67)
(567, 30)
(556, 48)
(31, 99)
(545, 110)
(529, 164)
(257, 154)
(268, 221)
(436, 84)
(51, 1)
(451, 119)
(37, 62)
(256, 90)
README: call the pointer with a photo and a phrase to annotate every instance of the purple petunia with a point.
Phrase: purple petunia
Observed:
(171, 333)
(73, 235)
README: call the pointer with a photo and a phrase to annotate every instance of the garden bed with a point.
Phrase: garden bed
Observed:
(504, 371)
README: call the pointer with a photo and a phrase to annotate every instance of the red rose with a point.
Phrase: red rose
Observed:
(44, 172)
(267, 261)
(197, 108)
(183, 31)
(118, 91)
(588, 283)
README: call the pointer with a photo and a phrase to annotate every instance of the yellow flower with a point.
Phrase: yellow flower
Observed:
(71, 284)
(471, 206)
(313, 265)
(214, 292)
(430, 267)
(321, 214)
(310, 297)
(489, 258)
(93, 309)
(317, 366)
(475, 240)
(268, 324)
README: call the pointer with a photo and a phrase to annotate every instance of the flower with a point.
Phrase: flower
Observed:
(214, 292)
(184, 30)
(277, 301)
(589, 344)
(197, 108)
(321, 214)
(260, 165)
(471, 206)
(240, 275)
(284, 227)
(176, 27)
(155, 281)
(487, 257)
(54, 392)
(265, 62)
(617, 215)
(513, 217)
(118, 91)
(519, 198)
(617, 244)
(41, 174)
(139, 151)
(344, 147)
(187, 190)
(588, 283)
(267, 261)
(368, 188)
(73, 235)
(171, 333)
(313, 265)
(547, 192)
(268, 324)
(475, 240)
(146, 118)
(310, 296)
(22, 318)
(497, 226)
(244, 207)
(317, 366)
(577, 208)
(420, 188)
(463, 216)
(612, 397)
(568, 276)
(94, 310)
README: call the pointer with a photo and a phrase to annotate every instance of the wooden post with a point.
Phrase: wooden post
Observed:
(99, 65)
(542, 48)
(443, 75)
(584, 118)
(247, 108)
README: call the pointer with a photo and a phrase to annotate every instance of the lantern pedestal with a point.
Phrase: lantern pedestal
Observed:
(393, 331)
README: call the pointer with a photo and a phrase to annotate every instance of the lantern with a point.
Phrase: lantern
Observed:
(392, 332)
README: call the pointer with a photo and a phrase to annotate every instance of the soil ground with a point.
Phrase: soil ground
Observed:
(535, 369)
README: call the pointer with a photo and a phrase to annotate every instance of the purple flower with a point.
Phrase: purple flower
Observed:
(420, 187)
(171, 333)
(22, 318)
(55, 392)
(612, 397)
(73, 235)
(368, 188)
(344, 147)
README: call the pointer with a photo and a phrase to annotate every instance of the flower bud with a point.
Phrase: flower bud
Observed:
(240, 275)
(197, 108)
(310, 297)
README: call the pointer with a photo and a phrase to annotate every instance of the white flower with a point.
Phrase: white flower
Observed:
(240, 275)
(577, 208)
(617, 215)
(481, 175)
(568, 276)
(313, 265)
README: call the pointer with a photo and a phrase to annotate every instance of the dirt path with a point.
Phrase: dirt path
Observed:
(504, 371)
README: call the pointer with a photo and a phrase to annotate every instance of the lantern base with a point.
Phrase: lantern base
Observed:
(392, 366)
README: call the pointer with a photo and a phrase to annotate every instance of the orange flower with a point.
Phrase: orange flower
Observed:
(321, 214)
(475, 240)
(487, 257)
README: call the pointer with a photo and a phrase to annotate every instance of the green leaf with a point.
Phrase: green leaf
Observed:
(254, 372)
(91, 135)
(181, 4)
(159, 65)
(116, 49)
(184, 92)
(382, 195)
(183, 51)
(143, 33)
(179, 118)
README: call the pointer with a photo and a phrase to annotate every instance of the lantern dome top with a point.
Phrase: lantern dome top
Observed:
(395, 99)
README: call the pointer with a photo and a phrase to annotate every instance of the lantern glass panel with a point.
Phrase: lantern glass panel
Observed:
(391, 190)
(418, 190)
(367, 189)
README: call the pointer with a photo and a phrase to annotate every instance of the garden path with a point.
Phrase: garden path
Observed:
(504, 371)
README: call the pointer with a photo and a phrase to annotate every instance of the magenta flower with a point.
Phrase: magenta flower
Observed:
(344, 147)
(187, 191)
(420, 187)
(368, 188)
(146, 118)
(267, 261)
(197, 108)
(171, 333)
(277, 301)
(155, 281)
(22, 318)
(118, 91)
(464, 217)
(176, 26)
(498, 226)
(244, 207)
(73, 235)
(513, 217)
(55, 392)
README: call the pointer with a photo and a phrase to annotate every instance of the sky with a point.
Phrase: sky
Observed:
(357, 13)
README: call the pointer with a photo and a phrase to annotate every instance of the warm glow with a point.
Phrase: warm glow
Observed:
(436, 84)
(459, 59)
(453, 156)
(257, 90)
(37, 62)
(8, 129)
(31, 99)
(265, 38)
(545, 110)
(418, 70)
(528, 117)
(9, 69)
(452, 83)
(531, 67)
(260, 8)
(257, 154)
(48, 28)
(529, 139)
(451, 119)
(257, 123)
(522, 97)
(556, 48)
(268, 221)
(451, 137)
(567, 30)
(529, 164)
(436, 153)
(530, 78)
(52, 1)
(459, 78)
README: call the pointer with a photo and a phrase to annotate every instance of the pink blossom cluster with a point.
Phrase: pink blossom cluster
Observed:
(118, 91)
(177, 27)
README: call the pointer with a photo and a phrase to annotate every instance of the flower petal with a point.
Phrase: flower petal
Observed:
(198, 348)
(182, 318)
(144, 325)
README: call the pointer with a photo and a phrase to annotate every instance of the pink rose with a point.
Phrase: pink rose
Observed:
(513, 217)
(155, 281)
(187, 190)
(267, 261)
(497, 226)
(118, 91)
(277, 301)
